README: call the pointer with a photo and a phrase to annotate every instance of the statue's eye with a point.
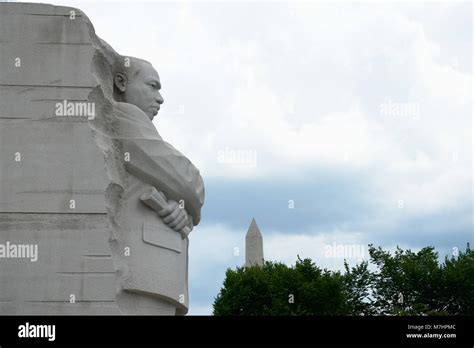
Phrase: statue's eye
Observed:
(153, 85)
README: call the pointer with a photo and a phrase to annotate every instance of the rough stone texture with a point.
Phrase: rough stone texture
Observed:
(73, 259)
(59, 159)
(253, 246)
(81, 250)
(59, 162)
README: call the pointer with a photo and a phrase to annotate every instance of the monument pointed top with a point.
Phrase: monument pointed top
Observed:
(253, 246)
(253, 229)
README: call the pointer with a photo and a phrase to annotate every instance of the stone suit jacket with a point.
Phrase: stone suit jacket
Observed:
(157, 263)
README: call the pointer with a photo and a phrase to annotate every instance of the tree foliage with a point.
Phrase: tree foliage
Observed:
(402, 283)
(276, 289)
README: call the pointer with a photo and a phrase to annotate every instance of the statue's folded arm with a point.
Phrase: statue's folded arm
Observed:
(160, 165)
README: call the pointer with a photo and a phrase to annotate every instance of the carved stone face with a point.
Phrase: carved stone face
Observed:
(143, 89)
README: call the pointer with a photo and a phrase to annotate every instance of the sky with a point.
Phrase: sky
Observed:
(333, 124)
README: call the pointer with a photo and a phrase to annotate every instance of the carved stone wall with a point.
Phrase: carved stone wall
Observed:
(52, 176)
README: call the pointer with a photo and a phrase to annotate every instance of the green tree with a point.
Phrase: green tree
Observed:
(276, 289)
(358, 286)
(406, 283)
(458, 283)
(402, 283)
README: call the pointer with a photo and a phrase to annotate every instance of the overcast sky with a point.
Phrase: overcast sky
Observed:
(358, 113)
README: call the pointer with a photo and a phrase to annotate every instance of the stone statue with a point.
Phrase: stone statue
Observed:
(161, 201)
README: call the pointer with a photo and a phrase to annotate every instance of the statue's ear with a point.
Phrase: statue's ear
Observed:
(120, 81)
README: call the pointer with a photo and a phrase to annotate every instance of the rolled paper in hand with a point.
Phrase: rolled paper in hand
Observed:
(157, 201)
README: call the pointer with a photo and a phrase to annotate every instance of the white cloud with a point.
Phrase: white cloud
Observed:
(327, 249)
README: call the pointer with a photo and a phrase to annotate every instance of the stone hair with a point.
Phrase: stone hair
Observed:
(120, 65)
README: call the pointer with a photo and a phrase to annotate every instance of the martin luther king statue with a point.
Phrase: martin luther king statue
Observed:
(159, 202)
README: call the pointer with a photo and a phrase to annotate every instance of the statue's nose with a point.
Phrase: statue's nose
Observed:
(159, 98)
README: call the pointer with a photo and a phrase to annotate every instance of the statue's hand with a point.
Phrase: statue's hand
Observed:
(174, 215)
